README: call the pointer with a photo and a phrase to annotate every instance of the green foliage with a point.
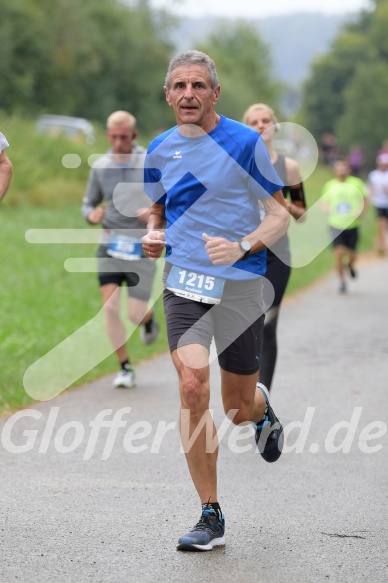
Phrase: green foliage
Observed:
(39, 176)
(90, 58)
(378, 29)
(366, 109)
(346, 92)
(323, 96)
(84, 58)
(244, 68)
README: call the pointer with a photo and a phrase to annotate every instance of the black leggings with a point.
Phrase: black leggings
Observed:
(278, 273)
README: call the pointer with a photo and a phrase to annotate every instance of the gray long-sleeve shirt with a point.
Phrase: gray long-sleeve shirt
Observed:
(120, 187)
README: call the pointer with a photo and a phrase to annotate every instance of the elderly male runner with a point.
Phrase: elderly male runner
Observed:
(205, 177)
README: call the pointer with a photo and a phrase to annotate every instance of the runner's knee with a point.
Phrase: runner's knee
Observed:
(195, 392)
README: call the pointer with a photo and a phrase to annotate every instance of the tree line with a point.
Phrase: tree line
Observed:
(346, 92)
(89, 58)
(92, 57)
(82, 58)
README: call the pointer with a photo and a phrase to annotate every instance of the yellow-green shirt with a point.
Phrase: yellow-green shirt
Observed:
(345, 201)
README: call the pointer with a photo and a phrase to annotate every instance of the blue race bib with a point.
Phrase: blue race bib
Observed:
(123, 247)
(195, 286)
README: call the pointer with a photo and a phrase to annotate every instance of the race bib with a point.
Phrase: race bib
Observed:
(123, 247)
(343, 208)
(195, 286)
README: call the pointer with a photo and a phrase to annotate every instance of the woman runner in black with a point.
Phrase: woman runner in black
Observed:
(262, 118)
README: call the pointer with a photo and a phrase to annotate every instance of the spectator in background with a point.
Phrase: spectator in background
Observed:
(329, 148)
(356, 160)
(378, 193)
(5, 167)
(344, 198)
(384, 148)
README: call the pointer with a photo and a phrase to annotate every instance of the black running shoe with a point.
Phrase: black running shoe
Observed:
(269, 434)
(149, 332)
(352, 271)
(207, 533)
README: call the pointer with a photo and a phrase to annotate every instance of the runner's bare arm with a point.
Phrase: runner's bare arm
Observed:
(153, 242)
(224, 252)
(157, 218)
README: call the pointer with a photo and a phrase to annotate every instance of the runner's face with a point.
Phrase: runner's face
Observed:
(261, 121)
(121, 136)
(341, 169)
(192, 97)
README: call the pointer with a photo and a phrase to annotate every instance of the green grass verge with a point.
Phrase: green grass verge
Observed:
(42, 304)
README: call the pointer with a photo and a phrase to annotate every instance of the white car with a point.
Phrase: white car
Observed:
(76, 128)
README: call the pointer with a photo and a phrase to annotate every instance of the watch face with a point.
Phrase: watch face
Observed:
(245, 245)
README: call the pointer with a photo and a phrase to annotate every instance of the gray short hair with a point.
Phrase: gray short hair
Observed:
(193, 58)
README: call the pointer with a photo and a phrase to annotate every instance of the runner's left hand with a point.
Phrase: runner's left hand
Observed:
(221, 251)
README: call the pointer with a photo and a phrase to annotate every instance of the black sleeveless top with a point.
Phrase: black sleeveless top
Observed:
(280, 250)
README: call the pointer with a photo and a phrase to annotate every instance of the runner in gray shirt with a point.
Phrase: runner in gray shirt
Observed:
(115, 198)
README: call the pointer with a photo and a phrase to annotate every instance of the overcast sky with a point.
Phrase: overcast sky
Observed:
(258, 8)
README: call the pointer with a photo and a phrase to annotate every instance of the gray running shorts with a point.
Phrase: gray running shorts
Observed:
(137, 275)
(236, 324)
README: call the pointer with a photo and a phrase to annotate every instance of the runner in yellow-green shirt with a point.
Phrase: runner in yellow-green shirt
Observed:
(344, 199)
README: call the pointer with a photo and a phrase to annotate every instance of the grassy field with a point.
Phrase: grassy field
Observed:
(42, 304)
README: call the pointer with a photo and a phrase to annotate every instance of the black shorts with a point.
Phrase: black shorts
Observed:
(347, 238)
(137, 275)
(236, 324)
(382, 212)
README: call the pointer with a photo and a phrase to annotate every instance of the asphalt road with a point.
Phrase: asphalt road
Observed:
(107, 504)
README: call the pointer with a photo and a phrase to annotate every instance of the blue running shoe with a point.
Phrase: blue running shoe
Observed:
(269, 434)
(207, 533)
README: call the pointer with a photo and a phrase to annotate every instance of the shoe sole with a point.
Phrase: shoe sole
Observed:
(271, 454)
(188, 546)
(122, 386)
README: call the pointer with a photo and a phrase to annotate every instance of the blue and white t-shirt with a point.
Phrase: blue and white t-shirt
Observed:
(211, 184)
(3, 142)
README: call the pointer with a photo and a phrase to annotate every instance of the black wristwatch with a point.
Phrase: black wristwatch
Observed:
(245, 247)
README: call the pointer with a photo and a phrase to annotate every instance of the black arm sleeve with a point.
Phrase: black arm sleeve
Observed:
(297, 194)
